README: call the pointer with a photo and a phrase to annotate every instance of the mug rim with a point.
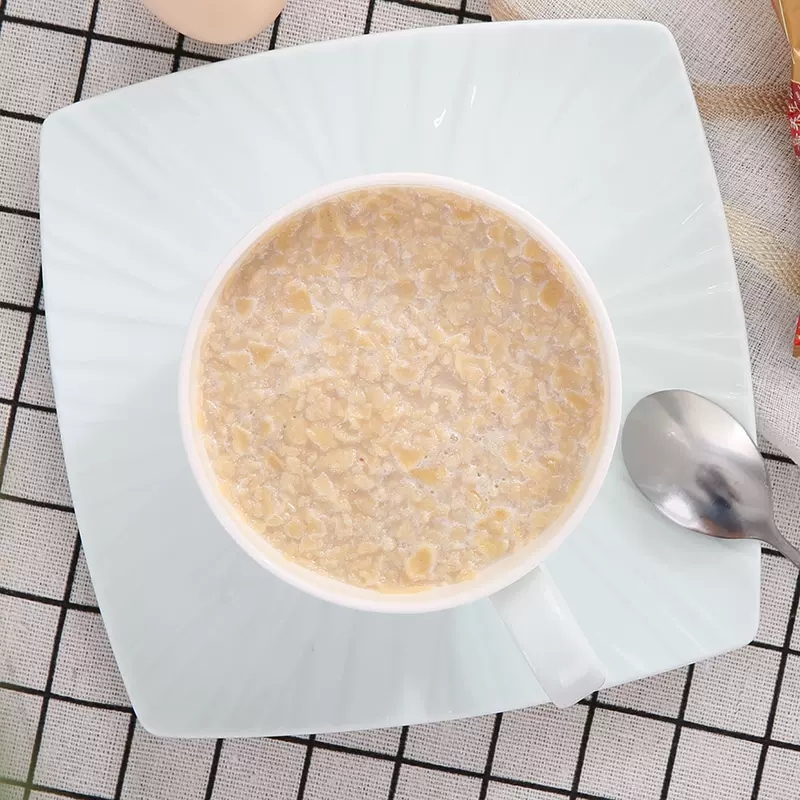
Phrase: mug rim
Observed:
(495, 576)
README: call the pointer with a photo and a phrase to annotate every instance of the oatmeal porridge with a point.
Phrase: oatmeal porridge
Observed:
(399, 386)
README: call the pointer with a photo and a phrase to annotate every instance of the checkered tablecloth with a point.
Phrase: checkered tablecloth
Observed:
(728, 728)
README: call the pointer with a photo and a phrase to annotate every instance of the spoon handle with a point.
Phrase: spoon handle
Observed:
(780, 543)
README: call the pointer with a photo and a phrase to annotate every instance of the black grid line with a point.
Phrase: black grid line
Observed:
(103, 37)
(73, 701)
(487, 770)
(23, 365)
(336, 747)
(178, 54)
(43, 25)
(4, 304)
(780, 459)
(429, 765)
(544, 787)
(18, 115)
(451, 770)
(462, 12)
(273, 39)
(301, 787)
(703, 727)
(7, 401)
(676, 736)
(19, 212)
(398, 759)
(126, 754)
(90, 35)
(370, 14)
(48, 601)
(212, 771)
(29, 501)
(39, 787)
(775, 648)
(450, 11)
(377, 755)
(591, 704)
(46, 696)
(776, 694)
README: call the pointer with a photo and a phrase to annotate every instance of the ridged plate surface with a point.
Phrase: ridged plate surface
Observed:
(589, 125)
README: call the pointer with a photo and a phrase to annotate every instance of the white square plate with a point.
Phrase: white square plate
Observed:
(589, 125)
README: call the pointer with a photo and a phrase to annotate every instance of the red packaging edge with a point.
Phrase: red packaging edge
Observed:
(796, 349)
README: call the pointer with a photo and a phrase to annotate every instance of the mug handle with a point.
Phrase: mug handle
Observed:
(544, 629)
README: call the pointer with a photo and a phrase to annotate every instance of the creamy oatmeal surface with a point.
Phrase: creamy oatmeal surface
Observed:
(399, 387)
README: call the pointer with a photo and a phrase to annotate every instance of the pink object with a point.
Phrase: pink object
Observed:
(217, 21)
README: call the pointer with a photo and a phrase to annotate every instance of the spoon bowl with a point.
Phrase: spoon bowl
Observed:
(698, 466)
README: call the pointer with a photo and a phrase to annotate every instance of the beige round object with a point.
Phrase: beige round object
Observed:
(217, 21)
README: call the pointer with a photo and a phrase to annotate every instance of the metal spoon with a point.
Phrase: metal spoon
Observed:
(696, 464)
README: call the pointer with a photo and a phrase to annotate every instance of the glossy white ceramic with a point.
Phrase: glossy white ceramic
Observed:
(500, 574)
(533, 610)
(591, 127)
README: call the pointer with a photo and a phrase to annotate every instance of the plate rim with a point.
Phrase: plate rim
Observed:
(54, 122)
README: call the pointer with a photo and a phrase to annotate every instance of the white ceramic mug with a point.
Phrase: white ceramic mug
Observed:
(524, 596)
